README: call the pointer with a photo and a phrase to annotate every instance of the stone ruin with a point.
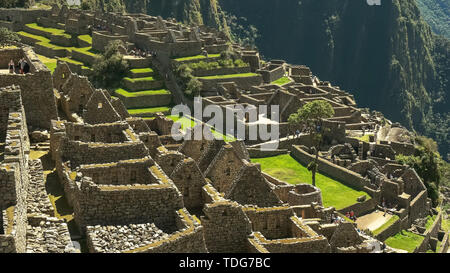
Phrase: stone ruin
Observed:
(133, 188)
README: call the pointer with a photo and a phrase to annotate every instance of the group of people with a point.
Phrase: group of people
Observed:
(142, 53)
(351, 215)
(23, 65)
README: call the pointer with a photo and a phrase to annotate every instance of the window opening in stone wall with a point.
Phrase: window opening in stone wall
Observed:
(186, 192)
(92, 137)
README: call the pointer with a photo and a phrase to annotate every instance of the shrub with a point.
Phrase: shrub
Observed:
(193, 88)
(8, 37)
(110, 68)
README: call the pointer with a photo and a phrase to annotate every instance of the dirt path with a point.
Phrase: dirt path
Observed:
(372, 221)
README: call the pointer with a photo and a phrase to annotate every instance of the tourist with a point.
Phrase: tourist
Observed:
(347, 215)
(352, 215)
(26, 67)
(11, 67)
(21, 64)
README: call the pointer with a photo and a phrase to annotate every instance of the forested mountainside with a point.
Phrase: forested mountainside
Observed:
(387, 55)
(437, 14)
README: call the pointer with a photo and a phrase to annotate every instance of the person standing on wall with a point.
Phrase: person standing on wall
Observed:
(11, 67)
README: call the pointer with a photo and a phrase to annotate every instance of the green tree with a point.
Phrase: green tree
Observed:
(8, 37)
(311, 116)
(110, 68)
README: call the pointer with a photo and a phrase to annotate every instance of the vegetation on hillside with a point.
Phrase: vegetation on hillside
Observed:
(437, 15)
(387, 56)
(8, 37)
(428, 164)
(14, 3)
(110, 68)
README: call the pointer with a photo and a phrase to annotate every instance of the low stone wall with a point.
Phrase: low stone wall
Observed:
(100, 40)
(241, 82)
(138, 85)
(360, 208)
(272, 75)
(146, 101)
(445, 243)
(259, 153)
(347, 177)
(417, 206)
(84, 58)
(47, 51)
(393, 229)
(61, 40)
(221, 71)
(139, 62)
(216, 49)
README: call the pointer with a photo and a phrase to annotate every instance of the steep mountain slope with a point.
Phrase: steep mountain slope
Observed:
(385, 55)
(437, 15)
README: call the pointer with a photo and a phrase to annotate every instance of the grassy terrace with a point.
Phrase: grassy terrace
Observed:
(282, 81)
(128, 94)
(430, 221)
(286, 168)
(146, 79)
(141, 70)
(68, 60)
(185, 122)
(405, 240)
(49, 62)
(54, 31)
(242, 75)
(198, 57)
(188, 123)
(87, 38)
(148, 110)
(389, 223)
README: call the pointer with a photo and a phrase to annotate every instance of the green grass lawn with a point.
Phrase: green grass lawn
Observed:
(430, 221)
(197, 57)
(148, 110)
(185, 122)
(54, 31)
(286, 168)
(242, 75)
(146, 79)
(365, 138)
(446, 225)
(128, 94)
(405, 240)
(282, 81)
(50, 63)
(87, 38)
(141, 70)
(389, 223)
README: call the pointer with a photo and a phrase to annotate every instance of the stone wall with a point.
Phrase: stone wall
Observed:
(97, 153)
(220, 71)
(36, 90)
(105, 205)
(101, 39)
(241, 82)
(273, 223)
(343, 175)
(225, 227)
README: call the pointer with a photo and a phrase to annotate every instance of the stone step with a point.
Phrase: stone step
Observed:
(140, 84)
(149, 112)
(144, 99)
